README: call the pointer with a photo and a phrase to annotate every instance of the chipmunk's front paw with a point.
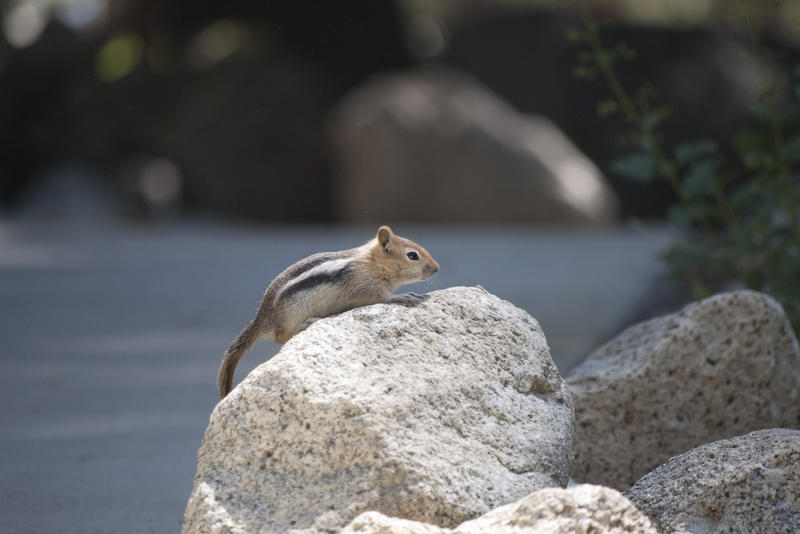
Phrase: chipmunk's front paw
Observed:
(411, 299)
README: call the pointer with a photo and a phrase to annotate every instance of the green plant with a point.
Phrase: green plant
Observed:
(738, 206)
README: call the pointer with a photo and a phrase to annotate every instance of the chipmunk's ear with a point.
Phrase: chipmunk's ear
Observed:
(385, 236)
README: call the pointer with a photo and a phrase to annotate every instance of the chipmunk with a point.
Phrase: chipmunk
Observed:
(328, 283)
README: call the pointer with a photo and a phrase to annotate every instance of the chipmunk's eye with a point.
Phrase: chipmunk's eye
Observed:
(412, 255)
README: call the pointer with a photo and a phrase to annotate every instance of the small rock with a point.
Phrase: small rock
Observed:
(719, 368)
(436, 412)
(377, 523)
(442, 146)
(748, 484)
(583, 508)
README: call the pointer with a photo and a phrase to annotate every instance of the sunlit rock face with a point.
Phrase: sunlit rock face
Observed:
(434, 144)
(749, 483)
(582, 508)
(718, 368)
(437, 412)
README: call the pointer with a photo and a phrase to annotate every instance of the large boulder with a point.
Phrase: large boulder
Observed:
(749, 483)
(583, 508)
(436, 412)
(718, 368)
(433, 144)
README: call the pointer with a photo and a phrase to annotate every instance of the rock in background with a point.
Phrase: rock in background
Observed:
(706, 77)
(583, 508)
(750, 484)
(719, 368)
(437, 412)
(436, 145)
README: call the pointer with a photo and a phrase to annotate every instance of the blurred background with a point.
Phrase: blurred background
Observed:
(298, 112)
(594, 162)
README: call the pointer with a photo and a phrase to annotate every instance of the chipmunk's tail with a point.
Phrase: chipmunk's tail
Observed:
(240, 345)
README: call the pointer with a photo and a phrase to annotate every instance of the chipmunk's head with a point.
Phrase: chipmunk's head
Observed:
(408, 261)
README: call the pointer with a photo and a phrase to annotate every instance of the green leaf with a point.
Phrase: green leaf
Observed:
(748, 194)
(688, 152)
(666, 168)
(576, 36)
(699, 179)
(606, 108)
(751, 138)
(647, 142)
(679, 218)
(791, 149)
(700, 290)
(688, 215)
(584, 72)
(652, 119)
(624, 51)
(758, 159)
(638, 166)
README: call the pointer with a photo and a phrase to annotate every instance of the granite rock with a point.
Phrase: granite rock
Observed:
(435, 144)
(436, 412)
(378, 523)
(748, 484)
(718, 368)
(583, 508)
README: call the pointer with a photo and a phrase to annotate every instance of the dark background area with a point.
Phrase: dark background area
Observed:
(163, 107)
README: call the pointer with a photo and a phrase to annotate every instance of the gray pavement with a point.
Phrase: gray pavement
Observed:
(111, 337)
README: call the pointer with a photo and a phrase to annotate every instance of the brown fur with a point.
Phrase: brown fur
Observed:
(378, 268)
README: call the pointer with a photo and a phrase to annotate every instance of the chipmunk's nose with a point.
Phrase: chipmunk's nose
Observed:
(431, 269)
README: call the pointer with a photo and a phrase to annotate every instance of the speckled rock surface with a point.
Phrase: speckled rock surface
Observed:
(584, 508)
(437, 412)
(377, 523)
(748, 484)
(720, 367)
